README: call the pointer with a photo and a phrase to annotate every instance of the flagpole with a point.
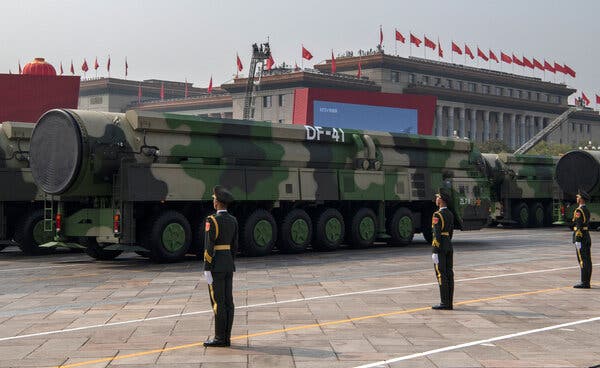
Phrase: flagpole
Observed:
(452, 52)
(410, 43)
(301, 60)
(395, 42)
(424, 48)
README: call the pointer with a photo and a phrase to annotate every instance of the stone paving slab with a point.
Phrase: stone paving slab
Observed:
(68, 291)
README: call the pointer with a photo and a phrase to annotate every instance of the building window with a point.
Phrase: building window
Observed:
(580, 128)
(411, 78)
(471, 87)
(537, 96)
(281, 98)
(267, 103)
(546, 97)
(558, 99)
(96, 100)
(485, 89)
(459, 85)
(438, 81)
(499, 91)
(572, 127)
(510, 92)
(529, 95)
(588, 128)
(395, 77)
(425, 80)
(519, 93)
(450, 83)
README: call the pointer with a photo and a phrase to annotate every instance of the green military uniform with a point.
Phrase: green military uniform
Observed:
(442, 224)
(581, 235)
(220, 247)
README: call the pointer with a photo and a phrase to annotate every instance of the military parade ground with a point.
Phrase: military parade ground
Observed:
(514, 306)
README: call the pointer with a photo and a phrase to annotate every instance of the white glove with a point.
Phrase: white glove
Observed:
(435, 258)
(208, 277)
(578, 245)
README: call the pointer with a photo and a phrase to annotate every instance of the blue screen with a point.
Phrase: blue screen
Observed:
(365, 117)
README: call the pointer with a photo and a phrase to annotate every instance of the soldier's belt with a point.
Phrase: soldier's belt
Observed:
(223, 247)
(583, 228)
(445, 233)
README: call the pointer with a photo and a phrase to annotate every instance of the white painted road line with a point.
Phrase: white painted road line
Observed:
(8, 338)
(478, 342)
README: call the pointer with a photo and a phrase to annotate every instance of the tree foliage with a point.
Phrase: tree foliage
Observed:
(494, 146)
(550, 149)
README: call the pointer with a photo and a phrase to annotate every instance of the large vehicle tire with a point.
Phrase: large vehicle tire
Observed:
(169, 237)
(295, 232)
(521, 214)
(362, 228)
(30, 234)
(329, 230)
(536, 215)
(259, 233)
(401, 227)
(96, 251)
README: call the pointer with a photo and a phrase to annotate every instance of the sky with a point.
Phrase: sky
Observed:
(194, 40)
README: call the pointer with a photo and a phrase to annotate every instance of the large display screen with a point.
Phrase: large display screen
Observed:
(365, 117)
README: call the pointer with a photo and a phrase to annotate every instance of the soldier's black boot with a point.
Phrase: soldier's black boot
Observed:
(217, 343)
(581, 286)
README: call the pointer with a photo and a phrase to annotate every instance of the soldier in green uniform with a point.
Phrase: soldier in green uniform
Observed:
(442, 223)
(582, 240)
(220, 247)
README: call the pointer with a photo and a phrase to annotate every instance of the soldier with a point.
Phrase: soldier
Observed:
(582, 240)
(220, 247)
(442, 224)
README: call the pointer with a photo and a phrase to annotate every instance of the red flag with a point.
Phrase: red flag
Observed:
(429, 43)
(456, 48)
(61, 68)
(186, 89)
(240, 66)
(84, 66)
(527, 63)
(559, 68)
(162, 91)
(549, 67)
(270, 62)
(139, 93)
(333, 68)
(72, 68)
(108, 64)
(400, 37)
(415, 40)
(569, 71)
(126, 67)
(585, 99)
(380, 37)
(481, 54)
(96, 65)
(306, 54)
(20, 70)
(505, 58)
(440, 51)
(468, 52)
(517, 61)
(597, 99)
(359, 73)
(209, 89)
(493, 56)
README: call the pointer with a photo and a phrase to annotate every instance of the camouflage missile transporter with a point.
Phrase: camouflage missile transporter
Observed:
(522, 189)
(575, 170)
(142, 182)
(21, 212)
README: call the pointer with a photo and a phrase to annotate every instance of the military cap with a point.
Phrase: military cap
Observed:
(222, 195)
(444, 194)
(583, 194)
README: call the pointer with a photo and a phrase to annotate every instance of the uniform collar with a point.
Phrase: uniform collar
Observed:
(582, 205)
(442, 208)
(221, 211)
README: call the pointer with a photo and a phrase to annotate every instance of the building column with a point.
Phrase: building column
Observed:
(439, 120)
(450, 122)
(500, 123)
(531, 127)
(461, 122)
(473, 125)
(521, 130)
(513, 130)
(486, 125)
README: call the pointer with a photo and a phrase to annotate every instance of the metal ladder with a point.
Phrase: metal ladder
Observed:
(259, 55)
(48, 212)
(547, 130)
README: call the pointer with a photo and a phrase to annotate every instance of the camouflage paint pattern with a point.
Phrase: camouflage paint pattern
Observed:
(177, 159)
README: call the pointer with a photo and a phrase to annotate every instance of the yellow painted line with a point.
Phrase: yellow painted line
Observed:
(61, 277)
(304, 327)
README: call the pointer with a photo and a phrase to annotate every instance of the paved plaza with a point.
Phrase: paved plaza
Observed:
(514, 307)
